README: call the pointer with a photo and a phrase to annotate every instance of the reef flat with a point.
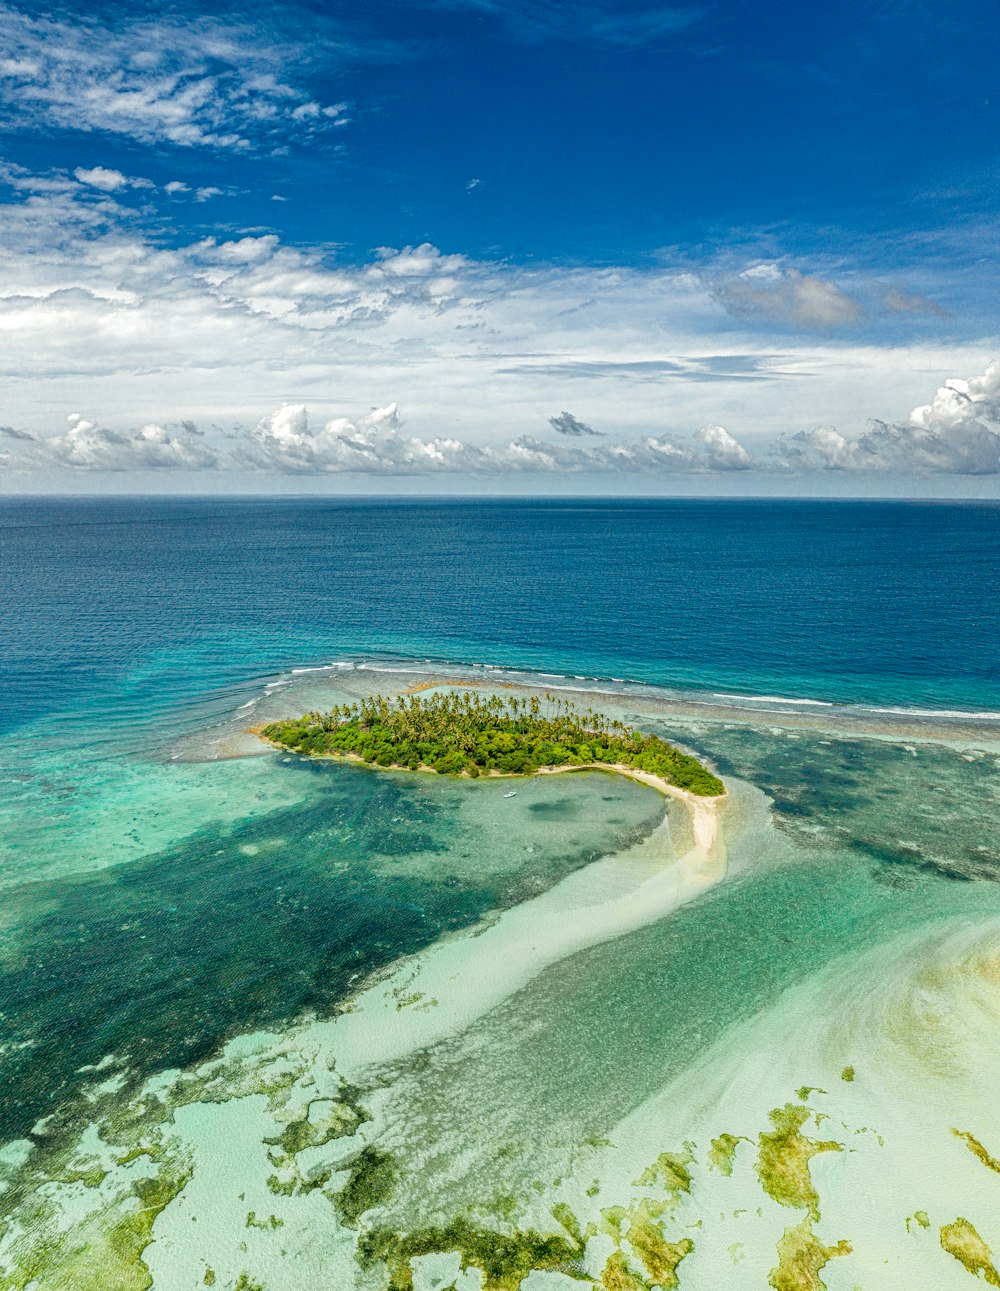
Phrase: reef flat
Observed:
(599, 1066)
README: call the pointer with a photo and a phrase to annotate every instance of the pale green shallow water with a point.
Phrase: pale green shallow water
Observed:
(868, 891)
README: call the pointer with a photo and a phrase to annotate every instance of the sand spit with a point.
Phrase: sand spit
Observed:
(462, 977)
(704, 811)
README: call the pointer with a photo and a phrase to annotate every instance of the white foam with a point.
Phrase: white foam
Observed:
(985, 716)
(773, 699)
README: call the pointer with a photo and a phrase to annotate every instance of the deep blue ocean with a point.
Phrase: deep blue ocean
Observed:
(137, 603)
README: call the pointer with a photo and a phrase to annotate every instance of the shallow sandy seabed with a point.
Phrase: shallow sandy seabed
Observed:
(845, 1136)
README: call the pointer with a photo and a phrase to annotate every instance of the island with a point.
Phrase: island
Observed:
(467, 734)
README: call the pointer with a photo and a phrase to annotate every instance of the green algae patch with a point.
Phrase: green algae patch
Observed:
(670, 1170)
(92, 1177)
(612, 1221)
(617, 1275)
(563, 1216)
(919, 1217)
(783, 1159)
(103, 1251)
(977, 1150)
(343, 1120)
(246, 1283)
(504, 1259)
(722, 1152)
(847, 1074)
(961, 1241)
(372, 1181)
(801, 1259)
(659, 1256)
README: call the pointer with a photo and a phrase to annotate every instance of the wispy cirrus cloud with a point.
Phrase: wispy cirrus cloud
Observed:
(184, 81)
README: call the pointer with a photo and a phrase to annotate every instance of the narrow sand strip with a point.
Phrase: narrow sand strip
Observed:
(461, 978)
(704, 811)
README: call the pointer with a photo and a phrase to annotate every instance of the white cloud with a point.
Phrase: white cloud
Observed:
(186, 82)
(375, 445)
(787, 296)
(88, 446)
(108, 181)
(957, 433)
(960, 405)
(722, 451)
(176, 187)
(95, 312)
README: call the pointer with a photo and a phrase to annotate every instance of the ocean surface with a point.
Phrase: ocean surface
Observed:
(253, 1008)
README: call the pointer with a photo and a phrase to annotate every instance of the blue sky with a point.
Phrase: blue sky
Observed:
(420, 245)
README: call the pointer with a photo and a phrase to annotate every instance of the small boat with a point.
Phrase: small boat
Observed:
(512, 794)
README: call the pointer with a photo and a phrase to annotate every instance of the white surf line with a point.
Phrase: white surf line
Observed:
(452, 983)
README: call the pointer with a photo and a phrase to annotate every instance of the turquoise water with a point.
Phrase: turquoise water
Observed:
(166, 895)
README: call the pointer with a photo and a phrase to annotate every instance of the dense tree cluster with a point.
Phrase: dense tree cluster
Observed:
(465, 733)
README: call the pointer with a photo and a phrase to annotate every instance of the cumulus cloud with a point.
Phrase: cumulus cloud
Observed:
(99, 311)
(88, 446)
(376, 445)
(957, 433)
(285, 443)
(109, 181)
(722, 451)
(784, 295)
(187, 82)
(567, 424)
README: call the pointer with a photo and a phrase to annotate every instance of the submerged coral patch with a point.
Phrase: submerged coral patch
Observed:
(961, 1240)
(783, 1159)
(801, 1258)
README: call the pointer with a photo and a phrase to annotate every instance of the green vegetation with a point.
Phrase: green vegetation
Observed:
(802, 1257)
(961, 1240)
(977, 1150)
(372, 1180)
(783, 1159)
(505, 1259)
(462, 733)
(723, 1150)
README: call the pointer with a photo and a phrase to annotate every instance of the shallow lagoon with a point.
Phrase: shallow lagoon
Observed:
(853, 932)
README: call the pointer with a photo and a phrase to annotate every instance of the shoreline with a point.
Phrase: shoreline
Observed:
(704, 809)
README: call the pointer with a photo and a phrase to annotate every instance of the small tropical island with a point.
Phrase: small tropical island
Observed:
(467, 734)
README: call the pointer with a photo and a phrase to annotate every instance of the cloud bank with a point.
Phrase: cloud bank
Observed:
(171, 350)
(957, 433)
